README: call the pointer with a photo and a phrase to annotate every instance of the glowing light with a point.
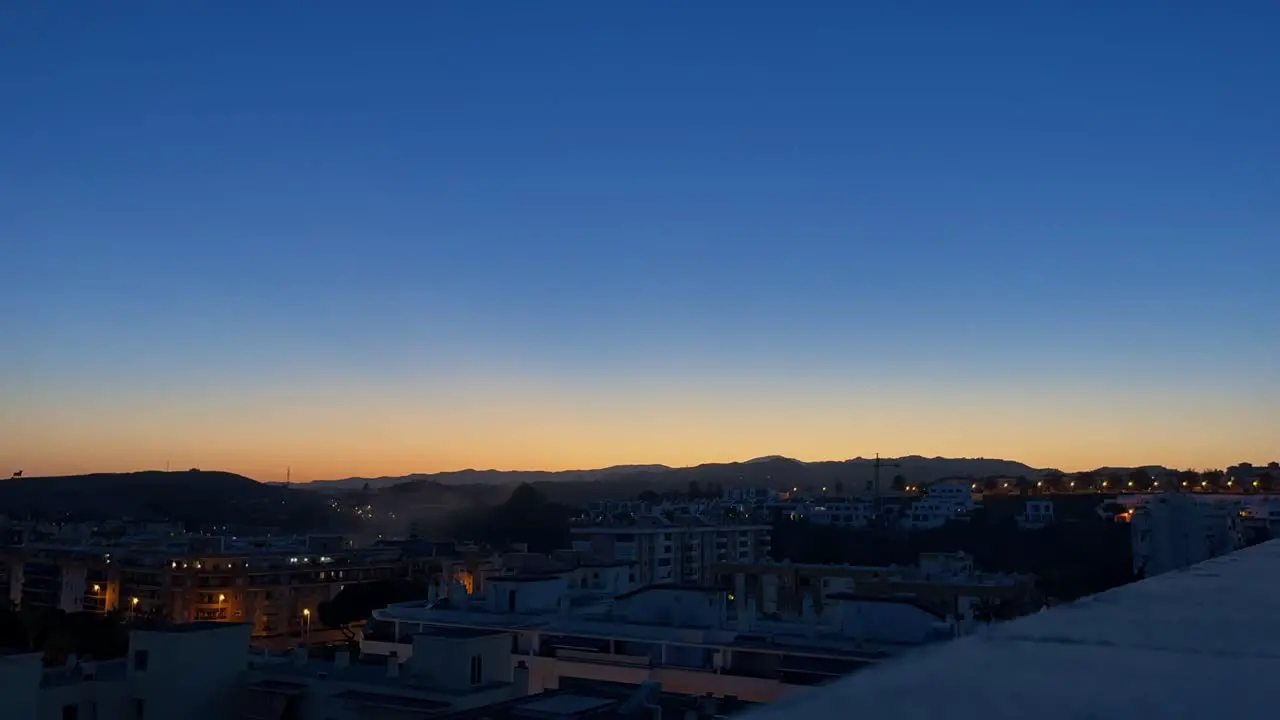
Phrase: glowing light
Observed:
(133, 601)
(221, 597)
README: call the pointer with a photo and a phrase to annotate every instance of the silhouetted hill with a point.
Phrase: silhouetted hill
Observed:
(771, 471)
(481, 477)
(193, 497)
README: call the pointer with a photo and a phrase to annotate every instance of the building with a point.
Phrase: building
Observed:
(845, 513)
(944, 582)
(690, 639)
(1174, 530)
(449, 670)
(942, 503)
(205, 671)
(1180, 645)
(680, 550)
(1036, 514)
(275, 588)
(183, 671)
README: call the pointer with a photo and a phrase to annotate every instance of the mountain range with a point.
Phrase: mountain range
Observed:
(773, 470)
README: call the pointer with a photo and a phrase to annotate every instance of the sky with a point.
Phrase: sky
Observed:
(356, 239)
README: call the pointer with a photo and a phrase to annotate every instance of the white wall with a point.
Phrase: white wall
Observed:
(191, 675)
(20, 685)
(890, 622)
(536, 596)
(445, 662)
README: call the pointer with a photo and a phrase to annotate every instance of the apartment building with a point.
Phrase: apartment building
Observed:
(1174, 530)
(946, 583)
(845, 513)
(680, 550)
(189, 671)
(691, 640)
(274, 587)
(205, 671)
(943, 502)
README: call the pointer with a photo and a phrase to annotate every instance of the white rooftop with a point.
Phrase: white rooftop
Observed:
(1196, 643)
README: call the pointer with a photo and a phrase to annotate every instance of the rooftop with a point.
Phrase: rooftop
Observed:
(1185, 644)
(458, 633)
(193, 627)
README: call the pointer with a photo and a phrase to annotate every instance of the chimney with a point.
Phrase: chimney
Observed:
(342, 658)
(299, 656)
(393, 665)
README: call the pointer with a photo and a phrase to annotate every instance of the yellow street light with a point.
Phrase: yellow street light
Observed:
(134, 602)
(97, 588)
(221, 597)
(306, 612)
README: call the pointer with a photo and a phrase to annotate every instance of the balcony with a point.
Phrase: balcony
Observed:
(1190, 643)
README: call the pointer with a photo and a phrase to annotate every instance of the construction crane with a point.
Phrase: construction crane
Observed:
(875, 466)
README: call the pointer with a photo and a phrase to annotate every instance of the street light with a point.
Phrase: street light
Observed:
(306, 619)
(221, 598)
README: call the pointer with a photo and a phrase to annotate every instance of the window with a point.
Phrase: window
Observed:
(140, 660)
(70, 712)
(477, 670)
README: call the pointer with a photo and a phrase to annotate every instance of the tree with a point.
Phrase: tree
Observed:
(357, 602)
(1266, 481)
(1024, 485)
(695, 490)
(990, 484)
(1189, 479)
(840, 488)
(1141, 479)
(899, 483)
(649, 496)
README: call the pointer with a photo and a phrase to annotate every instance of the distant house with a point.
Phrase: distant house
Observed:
(1036, 514)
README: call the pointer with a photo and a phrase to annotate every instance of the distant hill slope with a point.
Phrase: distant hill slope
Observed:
(194, 497)
(774, 471)
(482, 477)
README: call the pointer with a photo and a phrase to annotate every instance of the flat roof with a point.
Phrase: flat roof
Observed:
(454, 632)
(565, 704)
(388, 700)
(1189, 643)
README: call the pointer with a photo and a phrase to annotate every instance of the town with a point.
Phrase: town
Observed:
(707, 601)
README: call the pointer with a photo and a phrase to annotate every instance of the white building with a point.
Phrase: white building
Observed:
(184, 671)
(692, 640)
(1175, 530)
(1036, 514)
(942, 503)
(845, 513)
(668, 551)
(450, 670)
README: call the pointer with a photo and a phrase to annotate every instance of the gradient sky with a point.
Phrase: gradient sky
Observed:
(381, 238)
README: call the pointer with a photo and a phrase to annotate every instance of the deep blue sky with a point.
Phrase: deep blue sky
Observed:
(547, 233)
